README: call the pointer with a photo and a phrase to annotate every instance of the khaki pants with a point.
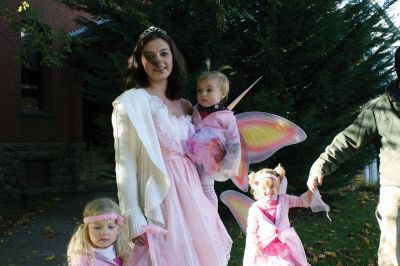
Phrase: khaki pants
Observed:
(387, 214)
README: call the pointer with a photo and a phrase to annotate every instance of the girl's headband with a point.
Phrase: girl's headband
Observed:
(109, 216)
(263, 176)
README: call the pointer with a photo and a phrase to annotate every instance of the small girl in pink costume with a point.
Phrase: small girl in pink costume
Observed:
(215, 147)
(270, 239)
(102, 238)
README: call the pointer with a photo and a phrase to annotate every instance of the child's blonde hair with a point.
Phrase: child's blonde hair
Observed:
(81, 245)
(223, 81)
(278, 171)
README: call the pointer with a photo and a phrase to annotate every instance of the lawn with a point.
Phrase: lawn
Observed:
(352, 238)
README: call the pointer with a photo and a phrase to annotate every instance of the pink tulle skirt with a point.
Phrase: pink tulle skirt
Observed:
(276, 254)
(206, 152)
(196, 235)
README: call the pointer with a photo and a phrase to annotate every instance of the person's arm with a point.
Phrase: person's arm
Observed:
(126, 144)
(299, 202)
(344, 146)
(309, 194)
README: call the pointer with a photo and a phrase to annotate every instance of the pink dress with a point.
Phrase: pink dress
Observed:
(268, 228)
(215, 149)
(196, 235)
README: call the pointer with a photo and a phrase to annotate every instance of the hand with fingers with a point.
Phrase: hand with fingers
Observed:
(140, 240)
(314, 180)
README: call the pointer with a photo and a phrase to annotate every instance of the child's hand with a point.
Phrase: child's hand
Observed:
(140, 240)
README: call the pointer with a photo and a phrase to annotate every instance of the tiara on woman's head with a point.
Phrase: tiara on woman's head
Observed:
(150, 30)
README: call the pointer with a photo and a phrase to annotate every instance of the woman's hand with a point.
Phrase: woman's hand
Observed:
(140, 240)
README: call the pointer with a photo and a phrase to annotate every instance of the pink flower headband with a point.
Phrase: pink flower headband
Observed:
(109, 216)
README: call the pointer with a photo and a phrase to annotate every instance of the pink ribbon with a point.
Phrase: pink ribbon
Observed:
(265, 176)
(109, 216)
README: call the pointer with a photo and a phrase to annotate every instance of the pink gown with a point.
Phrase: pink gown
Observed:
(269, 229)
(196, 235)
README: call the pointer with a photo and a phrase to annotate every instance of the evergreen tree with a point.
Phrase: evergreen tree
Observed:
(321, 60)
(105, 47)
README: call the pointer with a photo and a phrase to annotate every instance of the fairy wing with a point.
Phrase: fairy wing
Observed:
(241, 179)
(239, 204)
(265, 133)
(261, 135)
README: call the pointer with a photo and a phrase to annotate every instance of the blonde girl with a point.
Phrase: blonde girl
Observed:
(215, 146)
(270, 239)
(102, 238)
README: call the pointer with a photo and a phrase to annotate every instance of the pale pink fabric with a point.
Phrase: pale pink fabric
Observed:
(158, 249)
(196, 235)
(215, 147)
(279, 243)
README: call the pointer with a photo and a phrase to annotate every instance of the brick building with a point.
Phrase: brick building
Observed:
(41, 127)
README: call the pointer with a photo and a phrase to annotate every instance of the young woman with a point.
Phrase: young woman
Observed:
(157, 183)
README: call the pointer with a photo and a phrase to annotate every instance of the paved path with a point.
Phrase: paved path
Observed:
(28, 245)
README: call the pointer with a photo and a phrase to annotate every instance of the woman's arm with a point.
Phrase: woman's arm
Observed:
(127, 144)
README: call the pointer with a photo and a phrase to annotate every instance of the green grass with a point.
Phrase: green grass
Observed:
(352, 238)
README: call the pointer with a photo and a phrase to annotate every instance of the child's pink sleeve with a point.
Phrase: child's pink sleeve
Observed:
(295, 201)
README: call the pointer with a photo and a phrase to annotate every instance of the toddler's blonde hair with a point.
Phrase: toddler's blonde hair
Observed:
(278, 171)
(80, 244)
(223, 81)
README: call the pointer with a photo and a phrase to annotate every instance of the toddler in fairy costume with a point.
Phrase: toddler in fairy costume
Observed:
(215, 146)
(270, 238)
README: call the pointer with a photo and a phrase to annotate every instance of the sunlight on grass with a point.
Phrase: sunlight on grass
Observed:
(352, 238)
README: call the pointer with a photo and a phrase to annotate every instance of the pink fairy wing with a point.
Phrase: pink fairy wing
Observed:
(265, 133)
(241, 180)
(238, 204)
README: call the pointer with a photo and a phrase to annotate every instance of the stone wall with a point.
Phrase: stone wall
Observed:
(29, 168)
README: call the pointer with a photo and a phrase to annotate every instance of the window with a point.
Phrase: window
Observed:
(34, 92)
